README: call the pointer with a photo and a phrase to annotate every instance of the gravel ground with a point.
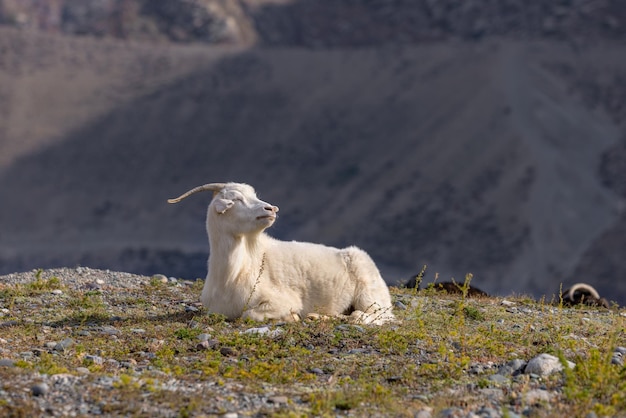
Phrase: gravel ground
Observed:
(84, 342)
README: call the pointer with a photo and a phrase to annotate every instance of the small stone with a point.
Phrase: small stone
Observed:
(64, 345)
(160, 278)
(129, 364)
(507, 303)
(617, 359)
(264, 331)
(39, 389)
(278, 399)
(358, 328)
(191, 309)
(93, 359)
(544, 365)
(202, 345)
(621, 350)
(93, 286)
(138, 330)
(230, 415)
(108, 330)
(316, 370)
(7, 362)
(83, 333)
(476, 369)
(57, 292)
(227, 351)
(400, 305)
(172, 280)
(82, 370)
(512, 368)
(203, 337)
(260, 330)
(27, 355)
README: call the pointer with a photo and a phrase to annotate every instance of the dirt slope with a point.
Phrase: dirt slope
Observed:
(466, 157)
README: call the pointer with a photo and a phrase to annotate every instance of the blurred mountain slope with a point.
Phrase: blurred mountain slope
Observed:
(428, 144)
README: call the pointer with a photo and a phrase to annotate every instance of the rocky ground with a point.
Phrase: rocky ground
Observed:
(84, 342)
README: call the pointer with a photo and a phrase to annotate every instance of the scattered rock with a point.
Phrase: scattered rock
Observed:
(228, 351)
(400, 305)
(7, 362)
(89, 359)
(278, 399)
(160, 278)
(617, 358)
(544, 365)
(512, 368)
(64, 345)
(264, 331)
(39, 389)
(108, 330)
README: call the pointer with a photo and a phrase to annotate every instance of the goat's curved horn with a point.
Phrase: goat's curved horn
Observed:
(214, 187)
(582, 287)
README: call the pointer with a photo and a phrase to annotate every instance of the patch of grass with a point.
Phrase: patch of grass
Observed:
(324, 367)
(41, 285)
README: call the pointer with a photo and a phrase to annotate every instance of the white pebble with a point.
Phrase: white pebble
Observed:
(545, 364)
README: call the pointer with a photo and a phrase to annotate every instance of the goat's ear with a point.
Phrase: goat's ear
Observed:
(222, 205)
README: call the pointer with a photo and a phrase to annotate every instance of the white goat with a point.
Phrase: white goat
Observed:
(253, 275)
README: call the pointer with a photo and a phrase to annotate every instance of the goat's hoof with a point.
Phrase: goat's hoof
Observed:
(317, 317)
(295, 317)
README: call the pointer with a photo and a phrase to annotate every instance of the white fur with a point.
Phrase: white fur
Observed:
(253, 275)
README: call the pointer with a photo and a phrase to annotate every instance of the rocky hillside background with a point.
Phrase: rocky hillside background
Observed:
(470, 136)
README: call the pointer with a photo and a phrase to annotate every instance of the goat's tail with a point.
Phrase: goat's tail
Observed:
(214, 187)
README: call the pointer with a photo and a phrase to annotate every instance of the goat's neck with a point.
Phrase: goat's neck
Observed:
(235, 257)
